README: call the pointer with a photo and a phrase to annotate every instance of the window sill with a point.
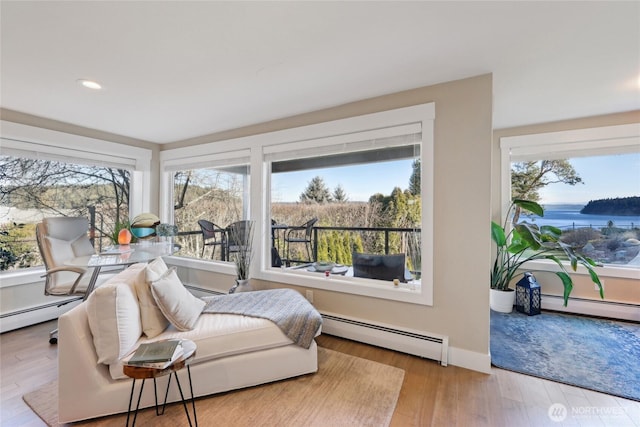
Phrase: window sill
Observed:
(605, 271)
(20, 277)
(349, 285)
(364, 287)
(204, 265)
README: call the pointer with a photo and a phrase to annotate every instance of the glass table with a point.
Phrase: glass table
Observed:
(121, 255)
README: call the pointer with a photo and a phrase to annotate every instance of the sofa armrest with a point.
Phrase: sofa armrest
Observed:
(79, 372)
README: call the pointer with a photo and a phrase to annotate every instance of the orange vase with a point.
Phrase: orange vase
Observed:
(124, 237)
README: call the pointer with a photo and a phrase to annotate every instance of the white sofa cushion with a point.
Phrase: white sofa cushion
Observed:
(153, 321)
(114, 315)
(177, 304)
(221, 335)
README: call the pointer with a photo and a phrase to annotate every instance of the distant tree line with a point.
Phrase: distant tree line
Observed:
(400, 209)
(620, 206)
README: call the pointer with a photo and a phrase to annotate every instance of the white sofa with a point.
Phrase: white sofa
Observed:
(233, 351)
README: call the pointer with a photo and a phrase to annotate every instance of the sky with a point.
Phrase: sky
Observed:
(603, 177)
(358, 181)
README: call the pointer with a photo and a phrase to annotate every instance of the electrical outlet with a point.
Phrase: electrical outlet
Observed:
(595, 286)
(310, 296)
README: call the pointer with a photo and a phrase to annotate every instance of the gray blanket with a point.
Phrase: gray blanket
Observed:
(293, 314)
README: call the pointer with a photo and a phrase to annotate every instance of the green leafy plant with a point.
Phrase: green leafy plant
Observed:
(526, 242)
(121, 225)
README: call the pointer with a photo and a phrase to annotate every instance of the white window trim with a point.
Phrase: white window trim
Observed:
(272, 142)
(572, 143)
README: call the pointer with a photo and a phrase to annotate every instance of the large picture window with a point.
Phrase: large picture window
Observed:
(32, 189)
(317, 195)
(364, 197)
(46, 173)
(589, 184)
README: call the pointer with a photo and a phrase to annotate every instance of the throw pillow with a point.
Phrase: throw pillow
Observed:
(114, 319)
(177, 304)
(153, 321)
(155, 269)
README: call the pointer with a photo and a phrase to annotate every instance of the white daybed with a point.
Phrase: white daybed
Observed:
(233, 351)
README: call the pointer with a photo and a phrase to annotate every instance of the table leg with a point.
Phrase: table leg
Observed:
(135, 415)
(166, 393)
(184, 404)
(164, 404)
(92, 282)
(193, 402)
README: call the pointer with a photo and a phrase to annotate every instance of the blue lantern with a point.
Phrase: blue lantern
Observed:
(528, 295)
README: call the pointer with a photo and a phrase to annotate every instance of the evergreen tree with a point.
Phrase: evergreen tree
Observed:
(414, 180)
(339, 195)
(316, 191)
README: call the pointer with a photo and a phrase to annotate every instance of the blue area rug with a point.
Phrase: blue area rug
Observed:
(597, 354)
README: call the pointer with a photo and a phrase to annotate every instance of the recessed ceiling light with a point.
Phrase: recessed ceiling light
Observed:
(89, 84)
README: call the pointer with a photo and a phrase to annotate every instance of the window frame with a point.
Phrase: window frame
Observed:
(585, 142)
(261, 145)
(29, 141)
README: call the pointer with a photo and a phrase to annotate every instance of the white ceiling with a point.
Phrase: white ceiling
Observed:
(176, 70)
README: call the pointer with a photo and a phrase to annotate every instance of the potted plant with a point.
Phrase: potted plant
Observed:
(526, 242)
(240, 244)
(121, 233)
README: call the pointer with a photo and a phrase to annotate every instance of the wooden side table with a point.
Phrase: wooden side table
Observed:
(142, 373)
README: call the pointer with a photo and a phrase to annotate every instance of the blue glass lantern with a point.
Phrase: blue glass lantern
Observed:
(528, 295)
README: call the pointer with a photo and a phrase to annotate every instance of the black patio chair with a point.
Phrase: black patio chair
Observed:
(300, 235)
(212, 235)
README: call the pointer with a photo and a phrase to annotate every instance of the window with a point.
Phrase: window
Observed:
(364, 196)
(589, 184)
(32, 189)
(205, 185)
(398, 142)
(48, 173)
(218, 196)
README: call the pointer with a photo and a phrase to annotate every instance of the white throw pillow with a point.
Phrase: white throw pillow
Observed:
(177, 304)
(114, 315)
(153, 321)
(155, 269)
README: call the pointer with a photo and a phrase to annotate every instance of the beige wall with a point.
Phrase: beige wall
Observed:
(616, 289)
(462, 204)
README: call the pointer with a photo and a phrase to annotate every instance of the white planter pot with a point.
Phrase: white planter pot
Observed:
(502, 301)
(242, 285)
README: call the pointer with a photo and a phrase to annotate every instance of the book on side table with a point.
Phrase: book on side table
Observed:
(157, 355)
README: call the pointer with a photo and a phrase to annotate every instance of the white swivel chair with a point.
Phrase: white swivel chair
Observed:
(60, 239)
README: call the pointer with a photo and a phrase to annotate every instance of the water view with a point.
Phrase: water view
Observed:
(567, 216)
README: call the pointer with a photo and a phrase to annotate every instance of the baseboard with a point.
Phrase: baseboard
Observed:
(470, 360)
(612, 310)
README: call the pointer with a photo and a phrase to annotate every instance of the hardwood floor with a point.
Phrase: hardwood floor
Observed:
(431, 395)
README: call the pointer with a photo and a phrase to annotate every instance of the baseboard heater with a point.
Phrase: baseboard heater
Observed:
(418, 343)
